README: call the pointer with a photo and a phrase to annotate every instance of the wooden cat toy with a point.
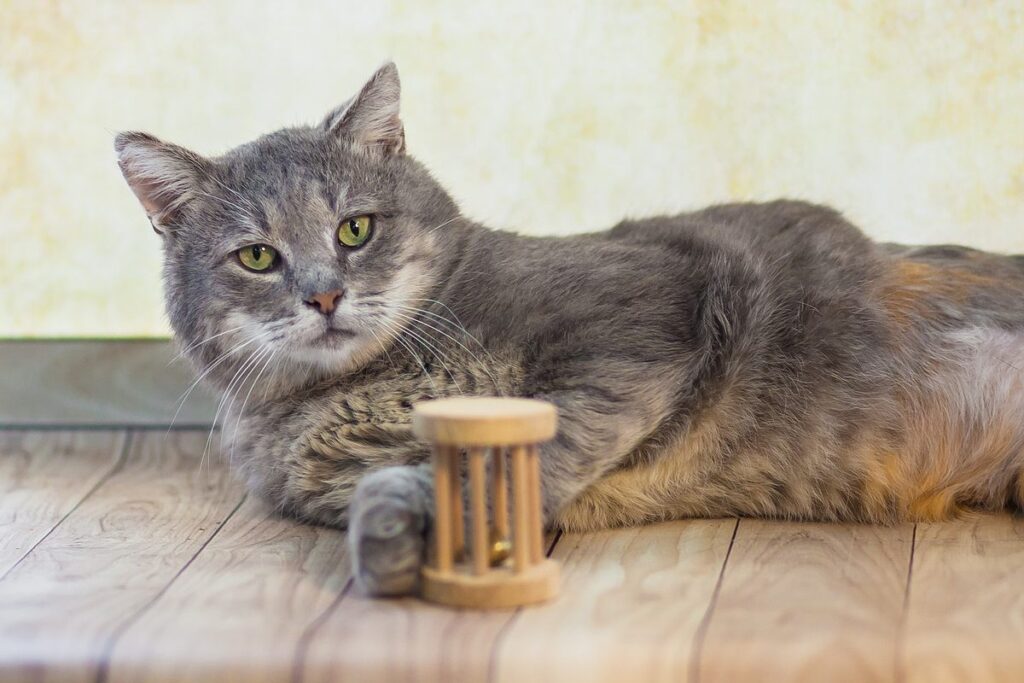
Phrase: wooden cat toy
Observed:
(491, 438)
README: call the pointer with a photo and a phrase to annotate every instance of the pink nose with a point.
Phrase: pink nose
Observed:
(325, 302)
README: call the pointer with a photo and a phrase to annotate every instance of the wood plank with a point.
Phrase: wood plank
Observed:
(43, 477)
(373, 640)
(241, 608)
(65, 603)
(965, 614)
(632, 602)
(814, 602)
(97, 382)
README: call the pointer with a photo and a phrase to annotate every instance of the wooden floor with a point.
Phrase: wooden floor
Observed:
(125, 556)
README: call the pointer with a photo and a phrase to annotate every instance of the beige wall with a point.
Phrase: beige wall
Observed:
(550, 117)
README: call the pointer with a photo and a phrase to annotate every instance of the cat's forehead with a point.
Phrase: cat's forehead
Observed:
(277, 160)
(300, 166)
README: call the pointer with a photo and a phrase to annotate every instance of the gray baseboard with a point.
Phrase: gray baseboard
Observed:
(97, 383)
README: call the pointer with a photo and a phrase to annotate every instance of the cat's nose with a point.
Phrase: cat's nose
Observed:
(325, 302)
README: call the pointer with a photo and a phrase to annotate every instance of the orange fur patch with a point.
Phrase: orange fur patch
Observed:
(914, 290)
(934, 507)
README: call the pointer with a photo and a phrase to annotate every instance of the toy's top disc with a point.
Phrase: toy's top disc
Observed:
(478, 421)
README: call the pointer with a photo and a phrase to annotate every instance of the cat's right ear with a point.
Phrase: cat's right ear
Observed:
(164, 177)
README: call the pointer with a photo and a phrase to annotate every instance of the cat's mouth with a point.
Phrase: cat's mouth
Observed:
(333, 337)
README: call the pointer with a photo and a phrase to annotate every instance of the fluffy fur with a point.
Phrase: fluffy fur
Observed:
(747, 359)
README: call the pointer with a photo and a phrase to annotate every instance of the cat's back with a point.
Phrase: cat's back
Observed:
(778, 227)
(787, 240)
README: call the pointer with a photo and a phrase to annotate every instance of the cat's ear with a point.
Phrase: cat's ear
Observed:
(370, 119)
(164, 177)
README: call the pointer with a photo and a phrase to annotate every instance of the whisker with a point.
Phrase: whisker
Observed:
(243, 198)
(413, 320)
(239, 377)
(271, 380)
(405, 345)
(220, 404)
(438, 227)
(199, 343)
(243, 210)
(434, 350)
(458, 327)
(245, 402)
(454, 315)
(383, 348)
(205, 373)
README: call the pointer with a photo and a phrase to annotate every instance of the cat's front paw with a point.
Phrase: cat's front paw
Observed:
(387, 531)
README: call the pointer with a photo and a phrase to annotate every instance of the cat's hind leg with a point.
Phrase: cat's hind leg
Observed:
(965, 428)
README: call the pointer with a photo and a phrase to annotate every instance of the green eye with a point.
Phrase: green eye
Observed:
(257, 257)
(354, 232)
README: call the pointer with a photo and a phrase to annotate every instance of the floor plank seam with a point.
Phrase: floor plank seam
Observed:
(122, 456)
(103, 671)
(306, 639)
(705, 622)
(492, 659)
(900, 669)
(102, 426)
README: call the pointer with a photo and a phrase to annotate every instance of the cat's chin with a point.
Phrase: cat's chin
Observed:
(335, 351)
(333, 338)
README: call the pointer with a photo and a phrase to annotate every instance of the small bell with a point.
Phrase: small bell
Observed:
(501, 548)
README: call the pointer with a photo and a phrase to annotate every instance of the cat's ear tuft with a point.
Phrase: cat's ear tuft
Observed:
(164, 177)
(370, 119)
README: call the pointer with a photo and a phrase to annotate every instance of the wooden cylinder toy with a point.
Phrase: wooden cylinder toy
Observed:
(483, 447)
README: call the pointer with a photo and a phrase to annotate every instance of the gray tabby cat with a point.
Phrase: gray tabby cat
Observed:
(747, 359)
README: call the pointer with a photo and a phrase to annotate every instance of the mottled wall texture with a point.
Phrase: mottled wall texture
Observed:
(546, 117)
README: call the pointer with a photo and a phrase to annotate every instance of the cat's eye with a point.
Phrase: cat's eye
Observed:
(353, 232)
(257, 257)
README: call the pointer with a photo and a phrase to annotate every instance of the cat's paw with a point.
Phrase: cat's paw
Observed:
(387, 531)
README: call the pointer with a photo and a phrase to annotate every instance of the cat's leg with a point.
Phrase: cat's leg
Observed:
(392, 509)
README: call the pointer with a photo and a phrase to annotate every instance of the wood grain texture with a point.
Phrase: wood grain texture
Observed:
(377, 641)
(102, 382)
(396, 640)
(64, 605)
(241, 607)
(631, 603)
(43, 476)
(965, 613)
(808, 602)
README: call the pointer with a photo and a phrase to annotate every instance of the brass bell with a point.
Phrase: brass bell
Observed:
(500, 548)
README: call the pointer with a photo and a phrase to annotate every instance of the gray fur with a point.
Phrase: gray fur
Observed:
(747, 359)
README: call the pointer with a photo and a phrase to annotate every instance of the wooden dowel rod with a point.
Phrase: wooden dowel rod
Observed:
(478, 496)
(536, 512)
(499, 491)
(458, 503)
(442, 511)
(520, 510)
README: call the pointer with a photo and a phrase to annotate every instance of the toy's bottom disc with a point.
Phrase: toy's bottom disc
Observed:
(499, 587)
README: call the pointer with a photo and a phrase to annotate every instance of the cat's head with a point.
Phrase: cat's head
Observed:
(311, 244)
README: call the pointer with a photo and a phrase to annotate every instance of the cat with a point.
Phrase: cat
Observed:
(749, 359)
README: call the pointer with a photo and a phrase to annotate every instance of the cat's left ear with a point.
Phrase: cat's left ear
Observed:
(370, 119)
